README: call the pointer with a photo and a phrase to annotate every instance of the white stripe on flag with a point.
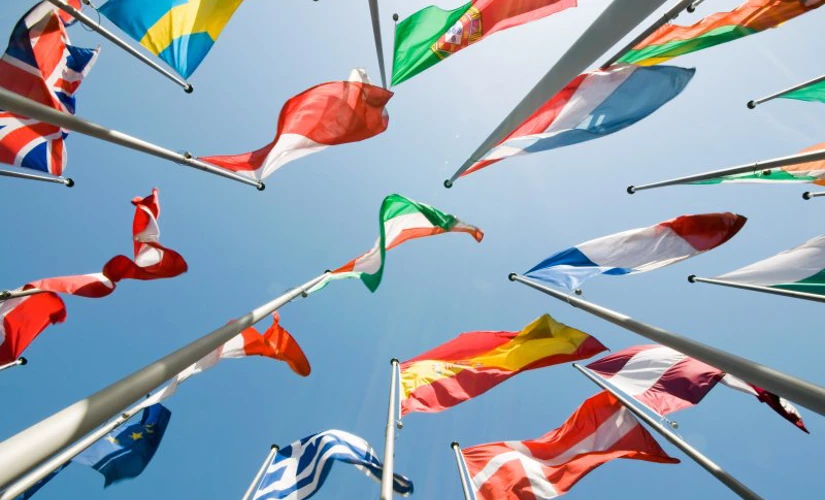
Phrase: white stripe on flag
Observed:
(644, 369)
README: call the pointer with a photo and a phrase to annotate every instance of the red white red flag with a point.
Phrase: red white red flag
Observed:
(22, 319)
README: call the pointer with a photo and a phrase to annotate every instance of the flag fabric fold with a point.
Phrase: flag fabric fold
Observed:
(41, 64)
(22, 319)
(433, 34)
(600, 430)
(473, 363)
(638, 250)
(812, 172)
(326, 115)
(298, 471)
(593, 105)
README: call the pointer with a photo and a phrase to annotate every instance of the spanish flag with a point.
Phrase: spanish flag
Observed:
(475, 362)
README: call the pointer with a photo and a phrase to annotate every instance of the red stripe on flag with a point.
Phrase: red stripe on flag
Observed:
(706, 231)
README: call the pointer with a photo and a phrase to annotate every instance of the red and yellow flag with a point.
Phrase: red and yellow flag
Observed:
(475, 362)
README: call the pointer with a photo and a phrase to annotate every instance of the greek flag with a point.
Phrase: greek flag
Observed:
(299, 470)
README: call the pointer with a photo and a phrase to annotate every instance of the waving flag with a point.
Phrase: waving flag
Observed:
(401, 220)
(326, 115)
(299, 470)
(812, 172)
(22, 319)
(814, 92)
(591, 106)
(638, 250)
(665, 380)
(181, 32)
(475, 362)
(599, 431)
(41, 65)
(433, 34)
(750, 18)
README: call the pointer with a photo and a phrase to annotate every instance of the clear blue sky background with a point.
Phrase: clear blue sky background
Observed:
(245, 247)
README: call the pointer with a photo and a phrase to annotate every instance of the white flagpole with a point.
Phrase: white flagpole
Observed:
(86, 20)
(807, 195)
(756, 288)
(27, 449)
(462, 470)
(273, 450)
(752, 104)
(719, 473)
(21, 361)
(615, 22)
(379, 45)
(13, 294)
(809, 395)
(766, 166)
(66, 181)
(389, 436)
(26, 107)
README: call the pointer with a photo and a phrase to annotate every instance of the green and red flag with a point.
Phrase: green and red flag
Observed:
(812, 172)
(433, 34)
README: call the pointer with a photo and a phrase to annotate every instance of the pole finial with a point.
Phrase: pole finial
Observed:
(69, 182)
(394, 361)
(578, 291)
(261, 186)
(512, 276)
(23, 361)
(631, 189)
(692, 278)
(395, 17)
(751, 104)
(454, 445)
(805, 196)
(274, 447)
(189, 88)
(448, 184)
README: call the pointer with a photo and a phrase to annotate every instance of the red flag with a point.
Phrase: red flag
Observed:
(275, 343)
(22, 319)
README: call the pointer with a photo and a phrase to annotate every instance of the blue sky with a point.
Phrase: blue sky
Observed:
(244, 247)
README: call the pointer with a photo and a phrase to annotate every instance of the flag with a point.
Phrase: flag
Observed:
(473, 363)
(22, 319)
(638, 250)
(41, 64)
(325, 115)
(666, 381)
(125, 452)
(801, 269)
(750, 18)
(181, 32)
(433, 34)
(599, 431)
(401, 219)
(814, 92)
(811, 171)
(591, 106)
(299, 470)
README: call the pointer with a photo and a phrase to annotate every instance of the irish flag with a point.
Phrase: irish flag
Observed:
(812, 172)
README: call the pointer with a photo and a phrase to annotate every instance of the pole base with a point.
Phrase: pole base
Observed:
(448, 184)
(751, 105)
(631, 189)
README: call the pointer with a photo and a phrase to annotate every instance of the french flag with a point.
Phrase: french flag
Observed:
(638, 250)
(591, 106)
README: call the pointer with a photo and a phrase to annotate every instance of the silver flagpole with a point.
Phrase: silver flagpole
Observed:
(13, 294)
(462, 467)
(66, 181)
(379, 44)
(756, 288)
(752, 104)
(706, 463)
(26, 107)
(765, 165)
(615, 22)
(26, 450)
(807, 195)
(86, 20)
(21, 361)
(389, 436)
(694, 5)
(273, 450)
(809, 395)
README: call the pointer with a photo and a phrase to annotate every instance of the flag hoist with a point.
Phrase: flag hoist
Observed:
(812, 90)
(805, 393)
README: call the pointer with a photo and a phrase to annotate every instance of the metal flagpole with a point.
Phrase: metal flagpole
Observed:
(86, 20)
(66, 181)
(809, 395)
(389, 436)
(756, 288)
(706, 463)
(21, 361)
(260, 475)
(807, 195)
(694, 5)
(616, 21)
(752, 104)
(26, 107)
(462, 467)
(26, 450)
(379, 45)
(13, 294)
(765, 165)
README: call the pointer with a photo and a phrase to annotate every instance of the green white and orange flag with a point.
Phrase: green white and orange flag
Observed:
(401, 219)
(811, 172)
(814, 92)
(473, 363)
(751, 17)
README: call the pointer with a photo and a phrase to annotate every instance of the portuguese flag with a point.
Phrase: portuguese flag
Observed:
(433, 34)
(814, 92)
(812, 172)
(751, 17)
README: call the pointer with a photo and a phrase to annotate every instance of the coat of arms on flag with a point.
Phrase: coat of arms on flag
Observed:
(466, 31)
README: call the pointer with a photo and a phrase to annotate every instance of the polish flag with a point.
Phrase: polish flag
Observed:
(22, 319)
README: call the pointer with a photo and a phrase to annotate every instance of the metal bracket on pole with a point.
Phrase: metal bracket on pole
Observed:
(273, 450)
(752, 104)
(805, 393)
(21, 361)
(756, 288)
(87, 21)
(462, 470)
(66, 181)
(379, 45)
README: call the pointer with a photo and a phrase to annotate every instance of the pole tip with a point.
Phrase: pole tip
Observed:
(806, 195)
(273, 447)
(692, 278)
(448, 184)
(691, 9)
(512, 276)
(261, 186)
(394, 361)
(673, 425)
(578, 291)
(327, 271)
(395, 17)
(189, 88)
(69, 182)
(23, 361)
(631, 189)
(454, 445)
(751, 104)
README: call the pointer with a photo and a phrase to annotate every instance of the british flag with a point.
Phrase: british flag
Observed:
(41, 64)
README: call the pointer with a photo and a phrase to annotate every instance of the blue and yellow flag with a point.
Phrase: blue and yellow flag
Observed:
(180, 32)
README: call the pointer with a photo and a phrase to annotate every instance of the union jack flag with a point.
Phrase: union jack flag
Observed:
(40, 64)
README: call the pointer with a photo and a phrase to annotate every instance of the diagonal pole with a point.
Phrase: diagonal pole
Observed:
(752, 104)
(756, 288)
(14, 294)
(21, 361)
(66, 181)
(807, 195)
(379, 44)
(273, 450)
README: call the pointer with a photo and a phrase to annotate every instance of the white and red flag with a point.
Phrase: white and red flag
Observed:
(325, 115)
(666, 381)
(22, 319)
(600, 430)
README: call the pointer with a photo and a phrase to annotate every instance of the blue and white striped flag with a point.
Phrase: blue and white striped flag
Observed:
(299, 470)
